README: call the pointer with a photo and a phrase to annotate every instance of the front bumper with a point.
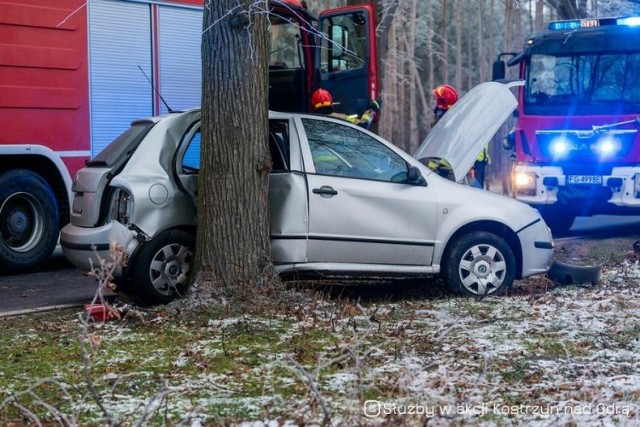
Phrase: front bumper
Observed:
(550, 185)
(86, 247)
(537, 247)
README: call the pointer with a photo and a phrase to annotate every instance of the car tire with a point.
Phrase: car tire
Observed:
(479, 263)
(29, 220)
(160, 271)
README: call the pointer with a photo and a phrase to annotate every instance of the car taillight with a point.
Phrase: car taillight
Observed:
(121, 206)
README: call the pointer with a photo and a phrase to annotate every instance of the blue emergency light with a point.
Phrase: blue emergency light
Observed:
(631, 21)
(574, 24)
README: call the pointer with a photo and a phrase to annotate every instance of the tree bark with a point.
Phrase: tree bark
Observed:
(444, 77)
(233, 244)
(458, 31)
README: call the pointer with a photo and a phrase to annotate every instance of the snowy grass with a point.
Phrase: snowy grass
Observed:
(542, 355)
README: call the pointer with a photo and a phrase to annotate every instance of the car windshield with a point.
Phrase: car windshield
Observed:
(583, 84)
(122, 146)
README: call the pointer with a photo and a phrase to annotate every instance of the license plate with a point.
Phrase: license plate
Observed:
(584, 179)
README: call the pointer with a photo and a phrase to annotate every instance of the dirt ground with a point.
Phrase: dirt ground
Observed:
(595, 250)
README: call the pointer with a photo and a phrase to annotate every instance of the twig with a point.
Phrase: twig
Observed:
(312, 385)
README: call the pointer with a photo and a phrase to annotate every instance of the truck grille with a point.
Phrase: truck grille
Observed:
(586, 145)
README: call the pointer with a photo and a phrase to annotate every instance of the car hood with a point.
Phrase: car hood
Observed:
(469, 125)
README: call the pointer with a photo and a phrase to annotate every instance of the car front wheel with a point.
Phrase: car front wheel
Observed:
(479, 263)
(161, 271)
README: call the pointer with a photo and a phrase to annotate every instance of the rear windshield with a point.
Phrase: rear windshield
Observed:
(123, 146)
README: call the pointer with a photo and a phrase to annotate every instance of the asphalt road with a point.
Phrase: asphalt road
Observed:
(60, 285)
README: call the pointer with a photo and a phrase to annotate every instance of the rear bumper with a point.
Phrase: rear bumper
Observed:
(86, 247)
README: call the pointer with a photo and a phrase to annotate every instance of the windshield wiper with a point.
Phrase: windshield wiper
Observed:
(602, 128)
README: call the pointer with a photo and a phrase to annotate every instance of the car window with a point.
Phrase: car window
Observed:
(191, 159)
(279, 145)
(123, 146)
(342, 150)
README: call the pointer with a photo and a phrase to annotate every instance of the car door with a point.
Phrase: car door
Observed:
(361, 208)
(288, 207)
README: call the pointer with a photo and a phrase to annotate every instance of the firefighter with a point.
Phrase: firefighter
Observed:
(446, 96)
(322, 103)
(479, 166)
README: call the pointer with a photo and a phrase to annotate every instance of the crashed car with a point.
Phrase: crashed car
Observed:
(343, 203)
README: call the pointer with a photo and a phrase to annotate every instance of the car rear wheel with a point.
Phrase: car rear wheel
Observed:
(29, 220)
(479, 263)
(160, 272)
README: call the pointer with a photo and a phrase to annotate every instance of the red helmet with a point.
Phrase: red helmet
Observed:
(321, 98)
(446, 96)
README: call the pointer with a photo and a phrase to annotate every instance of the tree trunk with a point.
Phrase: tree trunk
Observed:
(459, 23)
(444, 77)
(481, 55)
(539, 15)
(233, 245)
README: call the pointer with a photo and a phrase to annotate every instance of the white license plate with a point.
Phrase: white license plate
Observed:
(584, 179)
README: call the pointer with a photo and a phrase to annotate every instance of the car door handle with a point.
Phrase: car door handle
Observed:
(325, 190)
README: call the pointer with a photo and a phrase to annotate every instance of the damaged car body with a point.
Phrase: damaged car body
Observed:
(343, 203)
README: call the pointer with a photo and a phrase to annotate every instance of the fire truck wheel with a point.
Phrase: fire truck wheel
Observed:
(29, 220)
(479, 263)
(161, 271)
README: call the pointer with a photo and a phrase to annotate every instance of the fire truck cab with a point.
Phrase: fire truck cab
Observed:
(576, 140)
(75, 73)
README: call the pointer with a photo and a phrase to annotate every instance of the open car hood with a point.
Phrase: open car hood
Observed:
(469, 125)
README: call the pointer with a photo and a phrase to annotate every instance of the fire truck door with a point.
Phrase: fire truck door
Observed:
(347, 57)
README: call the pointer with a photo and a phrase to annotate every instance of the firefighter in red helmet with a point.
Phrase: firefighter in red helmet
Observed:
(445, 96)
(322, 103)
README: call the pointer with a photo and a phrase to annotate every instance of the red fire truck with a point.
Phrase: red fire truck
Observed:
(577, 147)
(73, 74)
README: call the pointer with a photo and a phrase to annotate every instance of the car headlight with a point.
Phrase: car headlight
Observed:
(525, 183)
(121, 206)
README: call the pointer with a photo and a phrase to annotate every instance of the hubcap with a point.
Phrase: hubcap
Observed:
(482, 269)
(21, 222)
(170, 268)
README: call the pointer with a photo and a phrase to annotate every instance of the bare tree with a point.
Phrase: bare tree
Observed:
(570, 9)
(458, 31)
(233, 244)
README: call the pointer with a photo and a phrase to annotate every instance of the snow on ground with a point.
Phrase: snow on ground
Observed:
(564, 356)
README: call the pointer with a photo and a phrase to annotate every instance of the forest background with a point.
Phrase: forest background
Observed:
(424, 43)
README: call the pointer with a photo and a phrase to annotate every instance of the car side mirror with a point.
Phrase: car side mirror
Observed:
(414, 177)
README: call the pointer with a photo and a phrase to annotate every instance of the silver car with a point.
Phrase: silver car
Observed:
(343, 203)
